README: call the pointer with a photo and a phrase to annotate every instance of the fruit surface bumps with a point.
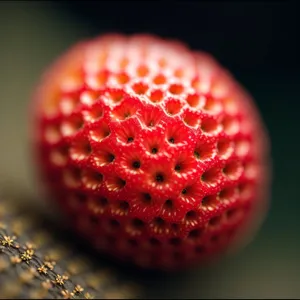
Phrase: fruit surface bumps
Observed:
(36, 263)
(154, 151)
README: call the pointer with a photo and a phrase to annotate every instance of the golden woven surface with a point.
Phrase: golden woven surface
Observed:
(39, 262)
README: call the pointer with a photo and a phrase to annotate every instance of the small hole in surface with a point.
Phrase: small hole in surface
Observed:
(73, 125)
(154, 150)
(245, 190)
(77, 199)
(191, 119)
(226, 194)
(177, 134)
(89, 97)
(98, 205)
(211, 176)
(140, 88)
(242, 147)
(100, 132)
(211, 104)
(159, 221)
(173, 107)
(124, 206)
(209, 200)
(159, 79)
(137, 224)
(184, 191)
(103, 158)
(52, 134)
(204, 151)
(168, 204)
(120, 208)
(223, 146)
(146, 197)
(193, 100)
(59, 156)
(199, 249)
(195, 234)
(123, 78)
(151, 116)
(133, 243)
(115, 95)
(126, 132)
(98, 80)
(175, 241)
(215, 221)
(197, 154)
(176, 89)
(94, 113)
(230, 125)
(231, 213)
(156, 96)
(196, 84)
(80, 149)
(130, 140)
(209, 125)
(72, 177)
(191, 218)
(175, 227)
(232, 170)
(102, 202)
(115, 183)
(177, 168)
(91, 179)
(136, 164)
(191, 215)
(142, 71)
(154, 242)
(124, 110)
(191, 192)
(215, 238)
(159, 177)
(114, 224)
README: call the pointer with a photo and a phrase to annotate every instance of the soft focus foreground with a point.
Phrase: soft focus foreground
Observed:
(37, 263)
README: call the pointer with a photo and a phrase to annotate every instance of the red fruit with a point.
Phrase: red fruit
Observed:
(155, 152)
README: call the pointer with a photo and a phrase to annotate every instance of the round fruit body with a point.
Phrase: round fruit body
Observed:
(155, 152)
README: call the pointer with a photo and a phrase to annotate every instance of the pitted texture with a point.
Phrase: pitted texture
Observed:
(35, 264)
(155, 152)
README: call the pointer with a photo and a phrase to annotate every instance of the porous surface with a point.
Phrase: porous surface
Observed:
(155, 152)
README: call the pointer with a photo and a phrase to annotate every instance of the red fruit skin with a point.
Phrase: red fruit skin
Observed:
(154, 152)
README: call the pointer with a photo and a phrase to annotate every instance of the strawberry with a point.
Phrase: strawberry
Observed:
(155, 152)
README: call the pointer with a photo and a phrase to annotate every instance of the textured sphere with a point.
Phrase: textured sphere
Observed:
(155, 152)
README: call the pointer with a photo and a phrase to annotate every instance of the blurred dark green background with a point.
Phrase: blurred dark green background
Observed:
(258, 41)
